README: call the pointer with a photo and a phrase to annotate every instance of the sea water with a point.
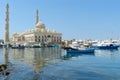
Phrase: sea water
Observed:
(56, 64)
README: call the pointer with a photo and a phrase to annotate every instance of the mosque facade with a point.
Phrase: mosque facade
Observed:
(38, 35)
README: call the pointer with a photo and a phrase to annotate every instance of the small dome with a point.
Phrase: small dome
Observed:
(40, 25)
(16, 34)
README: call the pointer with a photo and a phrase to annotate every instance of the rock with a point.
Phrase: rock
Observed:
(3, 67)
(5, 73)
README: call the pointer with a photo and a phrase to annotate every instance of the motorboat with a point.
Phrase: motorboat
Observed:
(105, 45)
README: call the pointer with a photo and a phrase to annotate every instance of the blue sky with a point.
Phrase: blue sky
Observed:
(79, 19)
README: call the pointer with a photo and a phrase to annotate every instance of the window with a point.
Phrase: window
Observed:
(35, 40)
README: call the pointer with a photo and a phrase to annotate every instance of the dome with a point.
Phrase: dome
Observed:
(40, 25)
(43, 30)
(16, 34)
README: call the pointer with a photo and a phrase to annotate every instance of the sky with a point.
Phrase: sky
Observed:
(75, 19)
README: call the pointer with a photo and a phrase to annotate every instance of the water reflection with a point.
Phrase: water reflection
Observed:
(17, 54)
(6, 57)
(28, 64)
(104, 52)
(70, 55)
(4, 68)
(37, 57)
(108, 50)
(110, 54)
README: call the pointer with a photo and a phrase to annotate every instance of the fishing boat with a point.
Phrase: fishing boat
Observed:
(75, 47)
(87, 50)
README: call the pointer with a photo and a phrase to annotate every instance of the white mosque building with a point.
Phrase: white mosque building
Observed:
(38, 35)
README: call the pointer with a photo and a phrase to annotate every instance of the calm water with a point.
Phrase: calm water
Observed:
(55, 64)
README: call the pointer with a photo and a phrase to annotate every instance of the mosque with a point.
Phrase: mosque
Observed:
(37, 35)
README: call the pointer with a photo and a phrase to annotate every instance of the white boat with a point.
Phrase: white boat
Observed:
(105, 45)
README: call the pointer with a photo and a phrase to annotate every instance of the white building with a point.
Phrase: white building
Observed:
(38, 35)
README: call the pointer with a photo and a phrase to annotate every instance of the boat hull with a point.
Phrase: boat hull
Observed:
(22, 47)
(106, 47)
(80, 51)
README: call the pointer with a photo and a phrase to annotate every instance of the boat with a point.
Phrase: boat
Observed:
(18, 47)
(1, 45)
(36, 46)
(75, 47)
(105, 45)
(65, 48)
(87, 50)
(15, 47)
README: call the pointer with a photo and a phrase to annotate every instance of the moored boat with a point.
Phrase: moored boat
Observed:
(87, 50)
(107, 47)
(18, 47)
(76, 47)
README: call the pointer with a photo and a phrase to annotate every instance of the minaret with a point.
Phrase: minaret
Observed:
(37, 17)
(7, 25)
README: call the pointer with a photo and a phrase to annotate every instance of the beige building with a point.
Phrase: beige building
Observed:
(38, 35)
